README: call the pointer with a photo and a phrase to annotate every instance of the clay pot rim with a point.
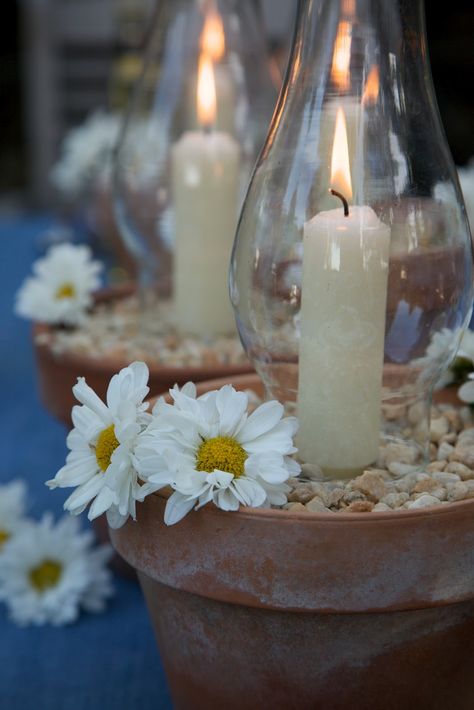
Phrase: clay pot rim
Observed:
(386, 516)
(101, 365)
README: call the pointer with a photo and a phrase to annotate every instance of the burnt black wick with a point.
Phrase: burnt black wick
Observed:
(343, 200)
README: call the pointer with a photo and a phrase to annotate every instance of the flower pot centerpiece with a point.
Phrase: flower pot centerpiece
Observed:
(299, 608)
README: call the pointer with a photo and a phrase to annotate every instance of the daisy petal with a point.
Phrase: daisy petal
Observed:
(177, 507)
(261, 421)
(86, 395)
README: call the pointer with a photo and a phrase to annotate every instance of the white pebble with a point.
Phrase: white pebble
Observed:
(424, 501)
(381, 508)
(444, 451)
(400, 469)
(312, 471)
(438, 428)
(316, 505)
(443, 477)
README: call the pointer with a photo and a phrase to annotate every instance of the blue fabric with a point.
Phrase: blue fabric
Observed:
(104, 661)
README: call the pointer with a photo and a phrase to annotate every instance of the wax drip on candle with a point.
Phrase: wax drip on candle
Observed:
(343, 200)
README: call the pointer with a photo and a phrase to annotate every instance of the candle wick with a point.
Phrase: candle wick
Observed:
(207, 128)
(343, 200)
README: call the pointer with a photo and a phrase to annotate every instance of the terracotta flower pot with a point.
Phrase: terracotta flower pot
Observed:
(273, 609)
(58, 373)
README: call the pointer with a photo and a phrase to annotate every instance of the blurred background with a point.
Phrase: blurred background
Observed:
(63, 59)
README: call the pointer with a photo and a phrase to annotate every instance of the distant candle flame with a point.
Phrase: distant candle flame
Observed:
(206, 92)
(341, 59)
(372, 87)
(348, 8)
(340, 166)
(213, 36)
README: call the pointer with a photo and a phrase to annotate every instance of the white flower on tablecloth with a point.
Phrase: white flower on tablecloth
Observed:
(86, 154)
(60, 291)
(49, 572)
(12, 510)
(217, 451)
(100, 462)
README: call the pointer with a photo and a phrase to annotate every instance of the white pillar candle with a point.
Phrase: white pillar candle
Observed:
(205, 170)
(344, 291)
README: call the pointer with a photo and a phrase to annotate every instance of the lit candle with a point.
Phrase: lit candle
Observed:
(205, 167)
(344, 291)
(213, 45)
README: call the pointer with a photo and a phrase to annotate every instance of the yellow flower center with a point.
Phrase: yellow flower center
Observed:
(223, 453)
(105, 447)
(66, 290)
(46, 575)
(3, 537)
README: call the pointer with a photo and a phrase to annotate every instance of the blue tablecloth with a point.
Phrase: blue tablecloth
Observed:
(104, 661)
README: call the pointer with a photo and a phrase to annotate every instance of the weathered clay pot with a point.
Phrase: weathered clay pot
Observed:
(58, 374)
(272, 609)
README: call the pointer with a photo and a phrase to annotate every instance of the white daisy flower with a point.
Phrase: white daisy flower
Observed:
(49, 572)
(60, 292)
(441, 348)
(466, 349)
(12, 509)
(217, 452)
(99, 464)
(466, 391)
(86, 153)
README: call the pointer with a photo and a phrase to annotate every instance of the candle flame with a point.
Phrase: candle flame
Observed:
(341, 58)
(206, 92)
(372, 87)
(340, 166)
(213, 36)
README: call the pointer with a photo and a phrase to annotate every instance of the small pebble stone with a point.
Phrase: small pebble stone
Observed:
(400, 469)
(400, 453)
(371, 484)
(443, 477)
(427, 485)
(316, 505)
(352, 496)
(360, 506)
(301, 494)
(436, 466)
(439, 427)
(463, 454)
(416, 413)
(463, 471)
(457, 491)
(381, 508)
(312, 472)
(423, 501)
(392, 412)
(444, 452)
(395, 500)
(295, 508)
